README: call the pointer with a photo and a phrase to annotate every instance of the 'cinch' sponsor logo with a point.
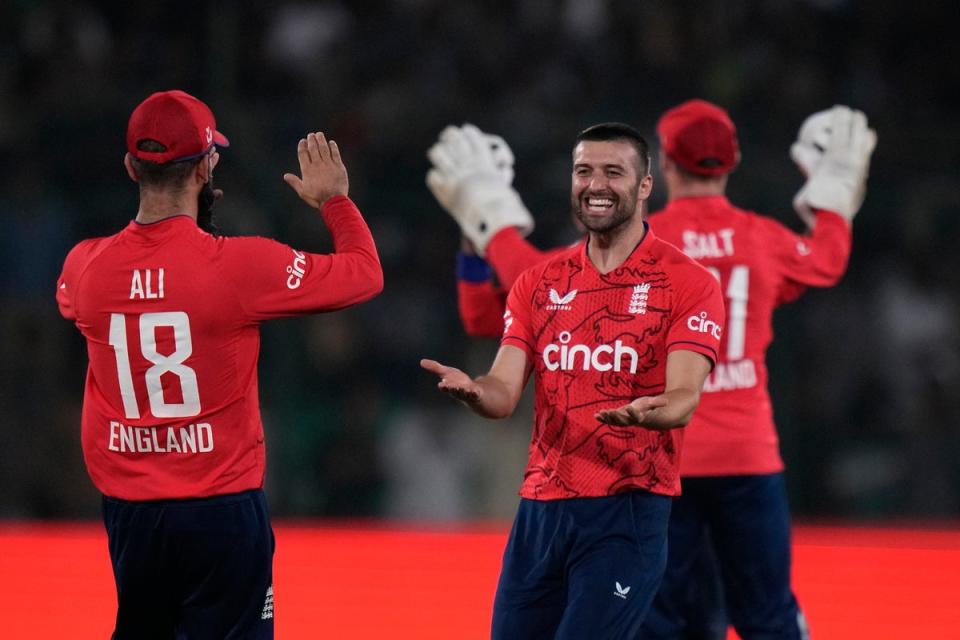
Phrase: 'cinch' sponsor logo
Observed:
(701, 324)
(604, 357)
(296, 270)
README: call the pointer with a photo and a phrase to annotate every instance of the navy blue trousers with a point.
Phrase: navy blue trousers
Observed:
(192, 569)
(745, 522)
(581, 568)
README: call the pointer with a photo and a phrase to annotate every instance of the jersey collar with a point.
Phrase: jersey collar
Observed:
(642, 247)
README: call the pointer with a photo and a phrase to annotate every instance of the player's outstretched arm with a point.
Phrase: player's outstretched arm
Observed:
(322, 171)
(686, 372)
(494, 395)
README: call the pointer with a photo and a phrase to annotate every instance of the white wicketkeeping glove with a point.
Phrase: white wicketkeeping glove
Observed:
(833, 150)
(812, 140)
(471, 178)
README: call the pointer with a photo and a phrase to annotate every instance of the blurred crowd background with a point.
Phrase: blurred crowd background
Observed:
(865, 377)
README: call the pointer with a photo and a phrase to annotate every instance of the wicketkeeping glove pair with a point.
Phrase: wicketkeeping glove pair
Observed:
(472, 178)
(833, 150)
(472, 174)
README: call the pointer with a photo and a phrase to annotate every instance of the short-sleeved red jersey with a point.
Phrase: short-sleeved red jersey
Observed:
(600, 341)
(760, 265)
(171, 316)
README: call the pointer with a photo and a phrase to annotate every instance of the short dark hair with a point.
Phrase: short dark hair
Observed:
(608, 131)
(167, 175)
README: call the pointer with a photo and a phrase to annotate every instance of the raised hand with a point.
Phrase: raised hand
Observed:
(322, 171)
(454, 382)
(470, 176)
(833, 149)
(632, 414)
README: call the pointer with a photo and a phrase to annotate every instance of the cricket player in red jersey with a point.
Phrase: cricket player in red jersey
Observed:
(620, 332)
(171, 426)
(734, 500)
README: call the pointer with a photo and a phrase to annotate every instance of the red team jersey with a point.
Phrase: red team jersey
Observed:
(760, 264)
(171, 316)
(600, 341)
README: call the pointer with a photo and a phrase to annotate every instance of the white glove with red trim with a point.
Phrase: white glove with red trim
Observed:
(833, 150)
(471, 178)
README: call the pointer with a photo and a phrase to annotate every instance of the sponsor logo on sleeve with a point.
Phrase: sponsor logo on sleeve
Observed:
(702, 324)
(296, 270)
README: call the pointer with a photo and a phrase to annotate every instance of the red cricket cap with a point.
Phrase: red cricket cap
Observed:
(178, 121)
(700, 137)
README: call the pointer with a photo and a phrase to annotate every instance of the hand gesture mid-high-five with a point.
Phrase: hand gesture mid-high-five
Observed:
(471, 176)
(324, 175)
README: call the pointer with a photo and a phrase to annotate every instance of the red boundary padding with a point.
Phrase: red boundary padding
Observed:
(382, 582)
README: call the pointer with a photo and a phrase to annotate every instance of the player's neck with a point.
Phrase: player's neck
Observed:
(609, 250)
(158, 205)
(696, 188)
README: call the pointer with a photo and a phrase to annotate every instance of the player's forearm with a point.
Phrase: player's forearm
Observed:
(510, 254)
(497, 400)
(479, 302)
(830, 244)
(677, 412)
(355, 265)
(481, 308)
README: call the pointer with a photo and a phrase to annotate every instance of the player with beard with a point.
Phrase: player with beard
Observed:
(206, 199)
(734, 506)
(619, 332)
(171, 427)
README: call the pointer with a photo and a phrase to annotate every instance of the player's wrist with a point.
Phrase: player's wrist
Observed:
(829, 215)
(335, 203)
(473, 268)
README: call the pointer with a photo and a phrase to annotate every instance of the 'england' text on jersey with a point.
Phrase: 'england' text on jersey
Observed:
(193, 438)
(728, 376)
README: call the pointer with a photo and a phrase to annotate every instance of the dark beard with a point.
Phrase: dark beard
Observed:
(207, 197)
(621, 216)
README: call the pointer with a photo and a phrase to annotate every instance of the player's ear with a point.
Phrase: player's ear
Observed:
(645, 187)
(131, 171)
(202, 173)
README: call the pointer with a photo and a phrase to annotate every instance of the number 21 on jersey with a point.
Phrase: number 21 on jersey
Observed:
(737, 293)
(161, 364)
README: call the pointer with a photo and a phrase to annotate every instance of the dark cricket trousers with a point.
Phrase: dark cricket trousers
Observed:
(192, 569)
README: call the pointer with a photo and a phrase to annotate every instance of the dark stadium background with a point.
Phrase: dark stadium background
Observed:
(865, 377)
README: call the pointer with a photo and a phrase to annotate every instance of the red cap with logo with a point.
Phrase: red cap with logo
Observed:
(179, 122)
(700, 137)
